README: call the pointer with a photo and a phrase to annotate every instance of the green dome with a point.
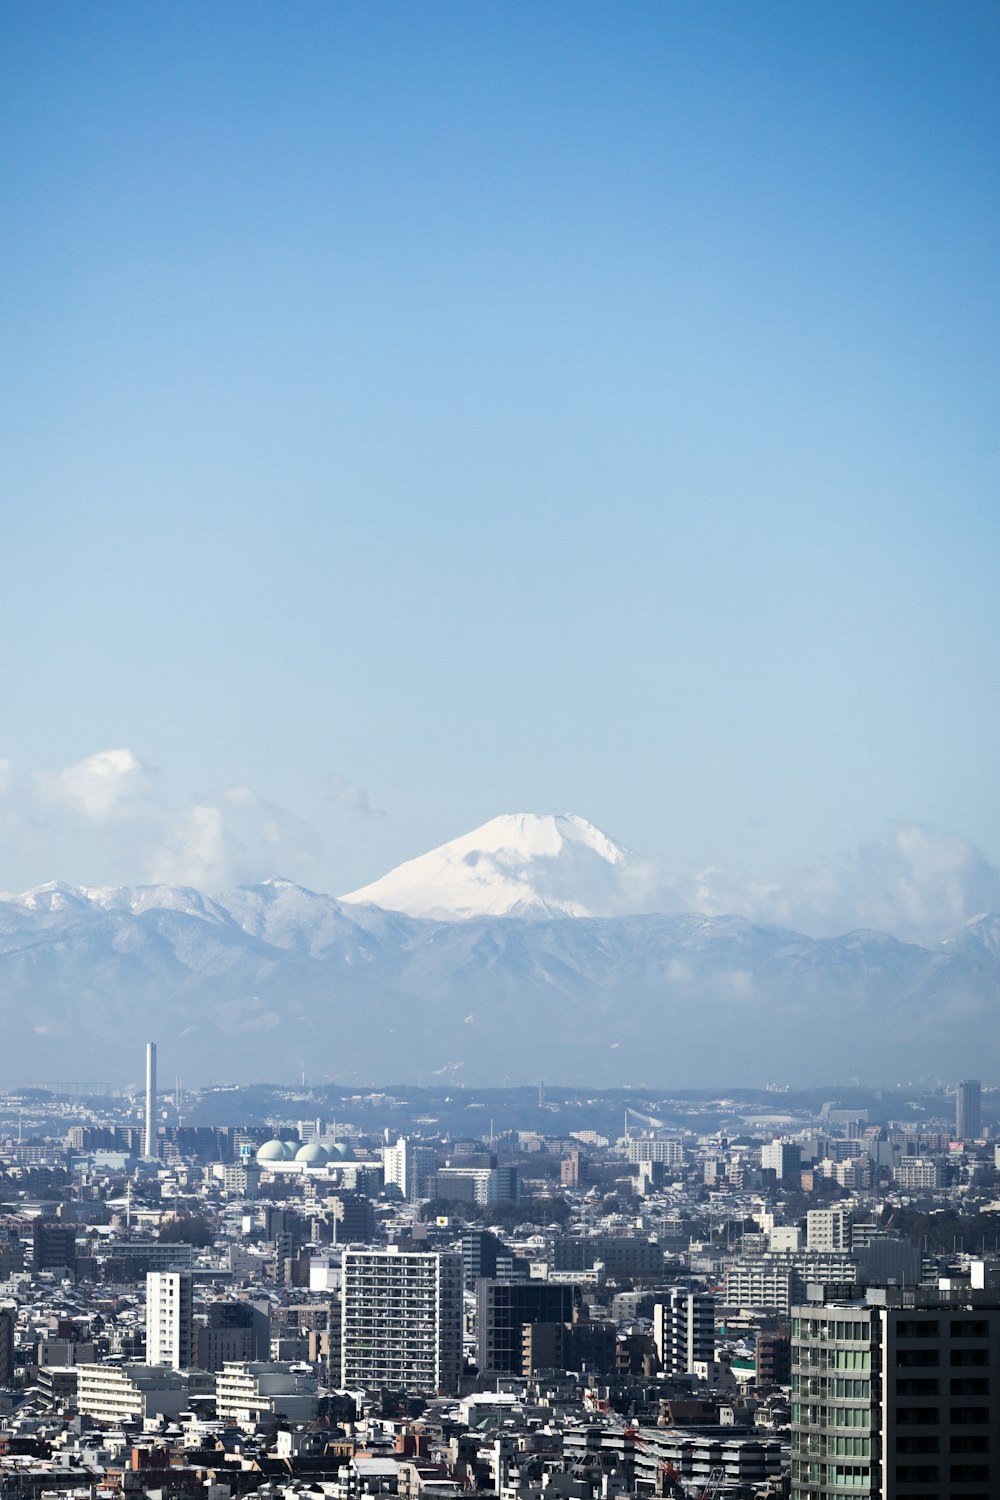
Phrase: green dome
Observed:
(273, 1150)
(312, 1153)
(338, 1151)
(289, 1149)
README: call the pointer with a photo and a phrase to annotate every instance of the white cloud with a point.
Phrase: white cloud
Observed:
(916, 882)
(109, 816)
(353, 798)
(236, 839)
(101, 787)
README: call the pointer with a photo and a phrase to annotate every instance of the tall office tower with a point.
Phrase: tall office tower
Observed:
(506, 1307)
(169, 1319)
(684, 1330)
(149, 1147)
(968, 1111)
(896, 1402)
(402, 1320)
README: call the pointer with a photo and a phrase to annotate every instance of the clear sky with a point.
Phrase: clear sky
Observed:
(418, 411)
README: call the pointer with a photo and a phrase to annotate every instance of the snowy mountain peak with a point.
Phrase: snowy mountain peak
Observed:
(519, 864)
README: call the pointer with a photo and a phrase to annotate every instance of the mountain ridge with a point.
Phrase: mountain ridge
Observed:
(270, 978)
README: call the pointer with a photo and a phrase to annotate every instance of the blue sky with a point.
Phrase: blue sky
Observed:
(420, 411)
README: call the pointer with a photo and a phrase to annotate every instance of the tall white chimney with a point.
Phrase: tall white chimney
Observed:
(150, 1145)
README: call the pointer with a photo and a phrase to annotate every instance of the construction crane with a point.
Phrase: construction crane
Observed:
(713, 1487)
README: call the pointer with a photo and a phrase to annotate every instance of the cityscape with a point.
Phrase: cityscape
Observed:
(499, 833)
(515, 1292)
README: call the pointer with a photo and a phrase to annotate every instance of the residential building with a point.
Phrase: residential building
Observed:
(684, 1330)
(410, 1168)
(247, 1392)
(402, 1320)
(170, 1319)
(655, 1148)
(129, 1393)
(919, 1173)
(828, 1230)
(479, 1185)
(892, 1398)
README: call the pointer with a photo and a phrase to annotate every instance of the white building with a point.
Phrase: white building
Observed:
(409, 1167)
(684, 1330)
(170, 1319)
(656, 1148)
(402, 1320)
(129, 1393)
(828, 1230)
(245, 1393)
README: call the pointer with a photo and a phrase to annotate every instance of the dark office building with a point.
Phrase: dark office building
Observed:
(504, 1309)
(53, 1246)
(6, 1345)
(486, 1257)
(232, 1331)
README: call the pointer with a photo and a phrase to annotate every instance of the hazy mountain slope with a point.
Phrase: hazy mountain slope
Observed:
(272, 980)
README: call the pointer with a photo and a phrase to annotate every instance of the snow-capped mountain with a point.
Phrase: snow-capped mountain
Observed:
(271, 979)
(517, 865)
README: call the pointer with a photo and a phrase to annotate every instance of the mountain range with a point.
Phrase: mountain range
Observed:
(518, 951)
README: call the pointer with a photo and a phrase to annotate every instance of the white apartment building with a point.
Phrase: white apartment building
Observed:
(684, 1331)
(655, 1148)
(402, 1320)
(170, 1319)
(409, 1167)
(828, 1230)
(129, 1393)
(247, 1392)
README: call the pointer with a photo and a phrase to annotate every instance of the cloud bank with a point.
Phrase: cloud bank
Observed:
(112, 806)
(916, 882)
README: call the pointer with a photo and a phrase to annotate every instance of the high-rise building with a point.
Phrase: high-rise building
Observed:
(6, 1345)
(485, 1256)
(170, 1319)
(53, 1246)
(506, 1307)
(402, 1320)
(828, 1230)
(968, 1111)
(410, 1168)
(892, 1398)
(783, 1159)
(684, 1330)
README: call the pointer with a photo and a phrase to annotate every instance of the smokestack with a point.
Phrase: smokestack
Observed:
(150, 1147)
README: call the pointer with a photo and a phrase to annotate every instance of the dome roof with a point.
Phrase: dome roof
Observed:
(338, 1151)
(273, 1150)
(312, 1153)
